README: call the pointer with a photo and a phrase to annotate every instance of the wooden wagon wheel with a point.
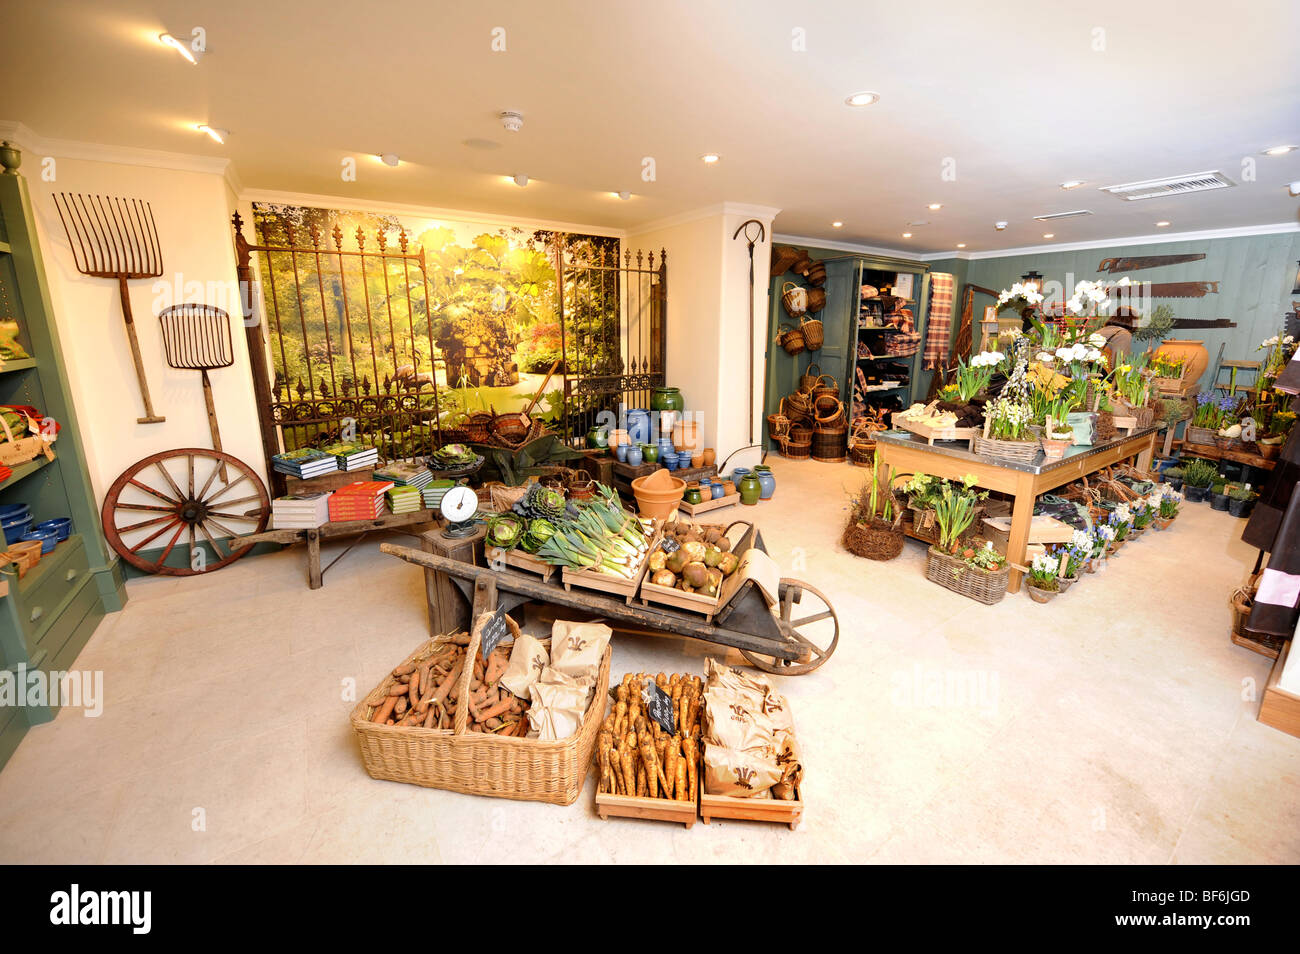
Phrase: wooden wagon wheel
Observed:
(178, 492)
(818, 631)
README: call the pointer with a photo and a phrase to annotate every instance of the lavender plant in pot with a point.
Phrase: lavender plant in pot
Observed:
(1219, 495)
(1198, 477)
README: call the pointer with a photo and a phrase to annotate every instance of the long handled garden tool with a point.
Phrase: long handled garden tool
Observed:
(753, 237)
(197, 338)
(115, 238)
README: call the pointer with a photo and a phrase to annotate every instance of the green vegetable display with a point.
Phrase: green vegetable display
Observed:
(601, 536)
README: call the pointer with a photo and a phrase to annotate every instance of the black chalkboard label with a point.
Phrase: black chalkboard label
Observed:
(660, 706)
(668, 545)
(494, 630)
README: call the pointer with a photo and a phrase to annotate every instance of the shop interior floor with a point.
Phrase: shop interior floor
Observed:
(1115, 724)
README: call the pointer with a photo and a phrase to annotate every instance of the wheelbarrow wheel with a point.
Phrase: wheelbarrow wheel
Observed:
(180, 494)
(807, 618)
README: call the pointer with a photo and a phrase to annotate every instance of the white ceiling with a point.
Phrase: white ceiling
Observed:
(1012, 91)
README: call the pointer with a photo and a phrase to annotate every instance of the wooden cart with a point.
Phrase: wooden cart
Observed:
(780, 643)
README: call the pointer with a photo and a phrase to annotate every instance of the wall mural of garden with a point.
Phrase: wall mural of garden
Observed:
(353, 323)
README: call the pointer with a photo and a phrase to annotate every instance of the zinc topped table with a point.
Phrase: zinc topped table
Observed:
(1024, 481)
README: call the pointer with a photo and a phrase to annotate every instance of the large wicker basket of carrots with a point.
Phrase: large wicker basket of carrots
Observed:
(478, 762)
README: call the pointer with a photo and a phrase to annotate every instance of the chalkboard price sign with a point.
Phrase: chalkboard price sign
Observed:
(660, 706)
(494, 630)
(668, 545)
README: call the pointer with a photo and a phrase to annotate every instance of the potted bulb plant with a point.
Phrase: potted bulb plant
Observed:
(1166, 512)
(1043, 583)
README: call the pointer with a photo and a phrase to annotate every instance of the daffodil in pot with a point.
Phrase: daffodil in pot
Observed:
(1043, 583)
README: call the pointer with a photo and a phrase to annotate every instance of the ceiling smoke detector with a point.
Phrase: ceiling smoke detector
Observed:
(511, 120)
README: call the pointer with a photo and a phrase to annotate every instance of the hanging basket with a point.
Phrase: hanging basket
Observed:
(791, 340)
(816, 299)
(794, 298)
(814, 333)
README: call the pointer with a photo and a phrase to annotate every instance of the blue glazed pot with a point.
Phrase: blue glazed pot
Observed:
(62, 527)
(670, 459)
(621, 453)
(718, 491)
(638, 425)
(738, 475)
(633, 455)
(767, 481)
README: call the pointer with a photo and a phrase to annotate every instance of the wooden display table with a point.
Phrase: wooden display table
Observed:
(909, 454)
(1241, 456)
(333, 531)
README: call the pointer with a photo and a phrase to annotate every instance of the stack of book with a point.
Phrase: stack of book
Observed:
(434, 493)
(360, 501)
(405, 474)
(304, 463)
(404, 500)
(352, 456)
(300, 511)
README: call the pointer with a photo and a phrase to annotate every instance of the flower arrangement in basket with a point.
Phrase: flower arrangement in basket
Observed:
(874, 529)
(977, 570)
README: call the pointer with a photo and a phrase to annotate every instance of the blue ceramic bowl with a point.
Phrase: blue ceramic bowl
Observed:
(670, 459)
(14, 529)
(48, 538)
(10, 512)
(62, 527)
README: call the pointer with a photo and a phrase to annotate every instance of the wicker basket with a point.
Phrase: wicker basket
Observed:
(794, 298)
(19, 450)
(478, 427)
(1020, 451)
(791, 339)
(828, 411)
(479, 763)
(799, 407)
(830, 444)
(814, 333)
(1242, 601)
(983, 586)
(808, 380)
(797, 445)
(879, 541)
(825, 386)
(778, 424)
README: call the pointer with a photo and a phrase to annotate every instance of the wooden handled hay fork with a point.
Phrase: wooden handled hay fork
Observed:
(115, 238)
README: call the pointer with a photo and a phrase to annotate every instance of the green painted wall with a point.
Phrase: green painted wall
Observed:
(1256, 274)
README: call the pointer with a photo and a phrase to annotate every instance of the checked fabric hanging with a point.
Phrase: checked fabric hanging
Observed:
(940, 321)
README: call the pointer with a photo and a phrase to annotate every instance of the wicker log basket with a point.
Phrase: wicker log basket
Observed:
(480, 763)
(1019, 451)
(983, 586)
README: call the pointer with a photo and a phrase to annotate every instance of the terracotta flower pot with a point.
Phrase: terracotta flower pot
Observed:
(1040, 595)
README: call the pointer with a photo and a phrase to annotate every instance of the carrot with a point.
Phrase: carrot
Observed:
(397, 689)
(405, 669)
(385, 710)
(415, 685)
(670, 766)
(683, 789)
(400, 709)
(449, 683)
(501, 708)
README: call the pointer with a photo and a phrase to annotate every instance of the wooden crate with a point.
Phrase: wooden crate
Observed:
(1042, 529)
(656, 809)
(519, 560)
(608, 582)
(697, 602)
(1279, 708)
(932, 434)
(704, 506)
(753, 809)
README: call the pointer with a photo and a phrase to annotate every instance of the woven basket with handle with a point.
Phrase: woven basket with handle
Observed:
(984, 586)
(790, 339)
(814, 333)
(808, 380)
(478, 763)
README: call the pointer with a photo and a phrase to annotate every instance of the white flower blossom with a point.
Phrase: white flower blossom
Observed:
(1097, 340)
(1106, 532)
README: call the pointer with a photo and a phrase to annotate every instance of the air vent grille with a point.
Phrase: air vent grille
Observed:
(1173, 185)
(1062, 215)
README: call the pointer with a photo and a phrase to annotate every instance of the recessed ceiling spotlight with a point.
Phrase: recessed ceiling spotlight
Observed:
(837, 225)
(166, 39)
(710, 158)
(1294, 188)
(1049, 235)
(388, 158)
(1279, 150)
(216, 134)
(864, 98)
(1000, 226)
(1072, 183)
(625, 195)
(961, 244)
(520, 180)
(1162, 223)
(935, 206)
(907, 235)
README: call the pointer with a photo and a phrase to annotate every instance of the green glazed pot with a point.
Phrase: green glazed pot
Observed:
(750, 490)
(598, 437)
(650, 453)
(667, 399)
(692, 496)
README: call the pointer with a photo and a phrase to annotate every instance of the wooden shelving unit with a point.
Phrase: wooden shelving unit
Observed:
(47, 616)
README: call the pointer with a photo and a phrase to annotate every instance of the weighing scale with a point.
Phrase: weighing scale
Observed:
(458, 507)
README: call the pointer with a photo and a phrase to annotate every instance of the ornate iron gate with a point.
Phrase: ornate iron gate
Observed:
(351, 342)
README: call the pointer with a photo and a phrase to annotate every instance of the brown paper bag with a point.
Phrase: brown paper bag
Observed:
(528, 658)
(578, 648)
(735, 720)
(556, 711)
(740, 774)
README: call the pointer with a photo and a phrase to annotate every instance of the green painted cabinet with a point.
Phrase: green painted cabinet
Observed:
(47, 616)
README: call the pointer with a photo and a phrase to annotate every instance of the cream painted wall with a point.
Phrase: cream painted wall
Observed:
(191, 211)
(707, 326)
